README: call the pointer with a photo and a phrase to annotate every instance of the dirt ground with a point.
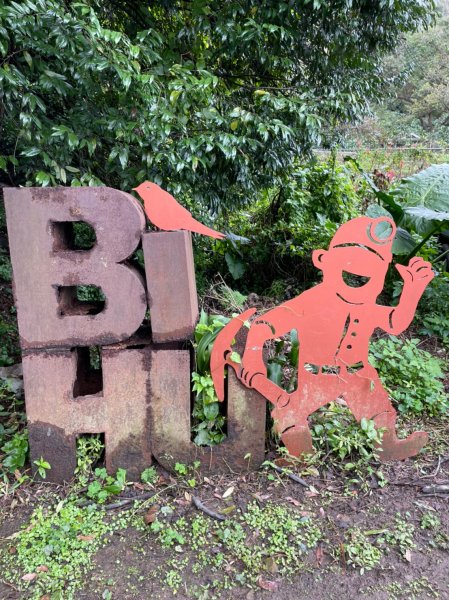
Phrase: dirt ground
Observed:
(133, 565)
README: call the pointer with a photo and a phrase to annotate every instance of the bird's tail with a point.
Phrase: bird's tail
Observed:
(197, 227)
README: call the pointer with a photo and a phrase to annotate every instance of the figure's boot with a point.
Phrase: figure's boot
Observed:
(298, 440)
(392, 448)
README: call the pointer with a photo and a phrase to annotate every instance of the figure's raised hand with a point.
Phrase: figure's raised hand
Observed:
(418, 272)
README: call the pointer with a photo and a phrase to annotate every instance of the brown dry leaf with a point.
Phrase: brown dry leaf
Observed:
(293, 501)
(139, 486)
(271, 586)
(207, 480)
(261, 497)
(12, 550)
(319, 555)
(86, 538)
(188, 496)
(42, 569)
(151, 515)
(228, 492)
(311, 493)
(29, 577)
(46, 597)
(408, 555)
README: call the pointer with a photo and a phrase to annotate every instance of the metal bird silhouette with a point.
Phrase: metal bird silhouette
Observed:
(166, 213)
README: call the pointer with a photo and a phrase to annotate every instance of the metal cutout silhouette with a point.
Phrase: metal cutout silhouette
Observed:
(166, 213)
(334, 321)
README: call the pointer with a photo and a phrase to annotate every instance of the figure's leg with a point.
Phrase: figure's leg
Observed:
(372, 402)
(290, 420)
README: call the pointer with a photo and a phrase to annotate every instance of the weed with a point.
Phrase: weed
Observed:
(401, 536)
(272, 538)
(54, 550)
(105, 485)
(15, 452)
(412, 590)
(430, 520)
(188, 472)
(413, 377)
(149, 475)
(42, 467)
(208, 423)
(352, 446)
(360, 552)
(174, 580)
(89, 449)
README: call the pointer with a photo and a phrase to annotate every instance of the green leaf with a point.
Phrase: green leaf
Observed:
(404, 242)
(235, 266)
(235, 357)
(425, 197)
(211, 411)
(42, 178)
(274, 372)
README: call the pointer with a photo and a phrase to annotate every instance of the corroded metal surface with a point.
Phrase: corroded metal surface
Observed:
(170, 411)
(171, 284)
(167, 214)
(47, 269)
(119, 410)
(334, 321)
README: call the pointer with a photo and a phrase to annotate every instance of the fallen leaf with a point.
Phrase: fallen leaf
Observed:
(311, 493)
(312, 471)
(42, 569)
(46, 597)
(270, 565)
(12, 550)
(293, 501)
(319, 555)
(261, 497)
(188, 496)
(29, 577)
(86, 538)
(408, 555)
(228, 492)
(151, 515)
(271, 586)
(228, 510)
(207, 480)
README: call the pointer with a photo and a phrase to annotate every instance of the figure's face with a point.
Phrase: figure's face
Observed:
(356, 274)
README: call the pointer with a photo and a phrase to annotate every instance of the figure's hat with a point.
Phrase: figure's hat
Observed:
(373, 234)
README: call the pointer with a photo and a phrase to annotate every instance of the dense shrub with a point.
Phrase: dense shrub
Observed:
(282, 228)
(413, 377)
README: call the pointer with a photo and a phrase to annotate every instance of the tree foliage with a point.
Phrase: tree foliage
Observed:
(213, 100)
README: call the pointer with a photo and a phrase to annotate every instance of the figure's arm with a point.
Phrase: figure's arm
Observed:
(273, 324)
(417, 275)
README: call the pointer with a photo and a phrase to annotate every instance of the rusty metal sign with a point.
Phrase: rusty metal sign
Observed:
(140, 398)
(334, 322)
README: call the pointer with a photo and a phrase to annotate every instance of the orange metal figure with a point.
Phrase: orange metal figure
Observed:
(334, 321)
(166, 213)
